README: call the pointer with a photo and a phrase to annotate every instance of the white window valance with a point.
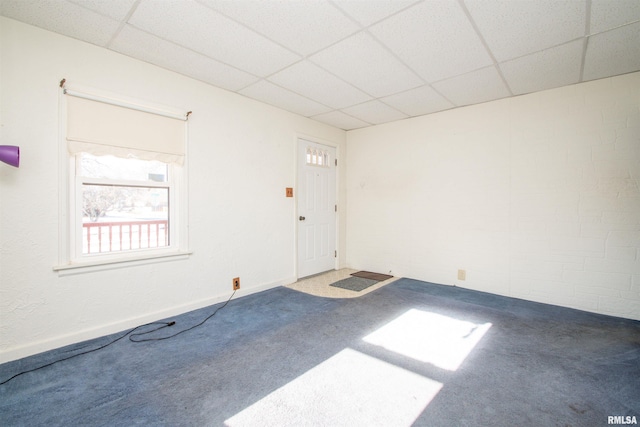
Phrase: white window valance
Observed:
(100, 127)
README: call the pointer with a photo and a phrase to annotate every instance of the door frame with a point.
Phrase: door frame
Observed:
(335, 146)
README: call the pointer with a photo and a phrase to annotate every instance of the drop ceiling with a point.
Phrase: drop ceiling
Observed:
(357, 63)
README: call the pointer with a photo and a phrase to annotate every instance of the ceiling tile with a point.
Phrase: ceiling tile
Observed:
(313, 82)
(555, 67)
(435, 39)
(370, 11)
(274, 95)
(340, 120)
(517, 28)
(363, 62)
(473, 88)
(154, 50)
(116, 9)
(419, 101)
(199, 28)
(370, 60)
(612, 53)
(304, 27)
(62, 17)
(608, 14)
(374, 112)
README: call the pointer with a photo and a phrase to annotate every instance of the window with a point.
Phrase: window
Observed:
(125, 182)
(125, 204)
(316, 157)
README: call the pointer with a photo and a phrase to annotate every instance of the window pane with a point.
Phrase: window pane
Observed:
(110, 167)
(122, 218)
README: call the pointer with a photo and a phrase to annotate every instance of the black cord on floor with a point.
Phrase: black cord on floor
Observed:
(131, 338)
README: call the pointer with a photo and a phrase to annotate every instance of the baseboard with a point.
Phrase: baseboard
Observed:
(112, 328)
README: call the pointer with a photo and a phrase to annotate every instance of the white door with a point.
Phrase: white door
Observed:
(316, 195)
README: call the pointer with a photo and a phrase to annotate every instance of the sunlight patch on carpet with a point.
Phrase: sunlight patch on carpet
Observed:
(429, 337)
(350, 387)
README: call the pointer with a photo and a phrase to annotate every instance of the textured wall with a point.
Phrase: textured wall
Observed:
(536, 197)
(241, 159)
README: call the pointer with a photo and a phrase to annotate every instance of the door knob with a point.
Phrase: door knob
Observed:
(302, 218)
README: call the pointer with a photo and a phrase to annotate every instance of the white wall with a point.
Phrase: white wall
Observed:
(536, 197)
(241, 158)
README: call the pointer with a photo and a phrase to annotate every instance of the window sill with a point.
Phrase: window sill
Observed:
(90, 266)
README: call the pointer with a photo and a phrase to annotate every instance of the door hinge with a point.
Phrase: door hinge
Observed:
(335, 254)
(336, 162)
(336, 208)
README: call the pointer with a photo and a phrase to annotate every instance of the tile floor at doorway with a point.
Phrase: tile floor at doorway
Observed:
(319, 284)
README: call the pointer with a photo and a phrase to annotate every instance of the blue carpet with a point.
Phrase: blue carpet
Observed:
(536, 365)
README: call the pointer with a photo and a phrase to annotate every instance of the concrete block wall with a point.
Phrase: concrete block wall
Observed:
(576, 198)
(536, 197)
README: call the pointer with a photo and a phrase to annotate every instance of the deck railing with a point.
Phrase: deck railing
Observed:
(104, 237)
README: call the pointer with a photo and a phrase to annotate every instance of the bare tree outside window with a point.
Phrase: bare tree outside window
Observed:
(125, 204)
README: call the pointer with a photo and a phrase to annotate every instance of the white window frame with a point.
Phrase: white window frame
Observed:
(71, 259)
